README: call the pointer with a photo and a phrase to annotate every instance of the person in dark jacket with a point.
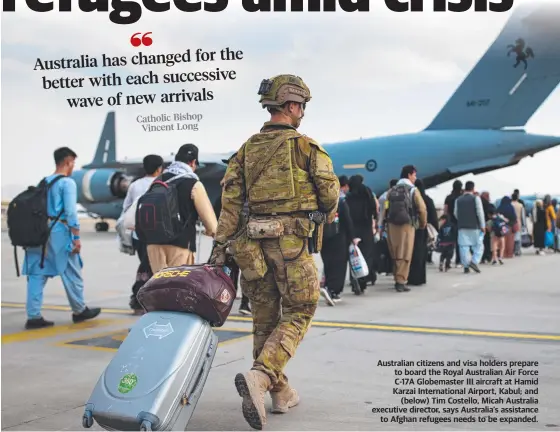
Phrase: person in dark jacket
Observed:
(489, 209)
(417, 274)
(508, 211)
(432, 213)
(193, 204)
(337, 237)
(362, 211)
(449, 208)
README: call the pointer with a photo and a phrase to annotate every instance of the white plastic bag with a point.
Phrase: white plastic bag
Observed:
(124, 237)
(432, 235)
(129, 216)
(357, 262)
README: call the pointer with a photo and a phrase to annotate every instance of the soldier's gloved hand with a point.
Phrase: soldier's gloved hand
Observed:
(218, 256)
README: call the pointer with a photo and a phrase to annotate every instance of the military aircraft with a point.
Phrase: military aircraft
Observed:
(480, 129)
(103, 183)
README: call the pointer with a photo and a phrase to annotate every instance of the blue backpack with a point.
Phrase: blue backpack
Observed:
(499, 227)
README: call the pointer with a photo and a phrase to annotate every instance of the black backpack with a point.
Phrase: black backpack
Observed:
(158, 215)
(28, 219)
(400, 205)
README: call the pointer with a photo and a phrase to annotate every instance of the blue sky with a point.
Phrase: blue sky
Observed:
(370, 74)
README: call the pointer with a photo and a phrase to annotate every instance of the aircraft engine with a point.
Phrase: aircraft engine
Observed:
(101, 185)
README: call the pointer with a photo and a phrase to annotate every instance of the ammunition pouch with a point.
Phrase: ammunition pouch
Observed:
(265, 228)
(260, 228)
(249, 256)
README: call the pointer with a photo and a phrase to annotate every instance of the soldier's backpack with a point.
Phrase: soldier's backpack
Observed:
(400, 205)
(28, 219)
(158, 216)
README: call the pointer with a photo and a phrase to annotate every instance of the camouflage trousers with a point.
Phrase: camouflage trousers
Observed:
(283, 304)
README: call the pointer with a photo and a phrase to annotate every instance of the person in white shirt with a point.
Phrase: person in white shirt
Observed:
(153, 166)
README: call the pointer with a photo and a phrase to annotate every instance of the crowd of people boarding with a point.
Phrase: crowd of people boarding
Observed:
(398, 232)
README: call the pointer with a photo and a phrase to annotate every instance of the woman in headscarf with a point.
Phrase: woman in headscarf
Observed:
(417, 274)
(488, 208)
(538, 216)
(508, 211)
(449, 209)
(432, 213)
(362, 212)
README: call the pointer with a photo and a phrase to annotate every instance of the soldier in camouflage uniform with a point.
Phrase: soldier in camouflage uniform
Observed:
(284, 176)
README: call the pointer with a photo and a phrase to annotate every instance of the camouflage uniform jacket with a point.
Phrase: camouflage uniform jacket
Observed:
(309, 157)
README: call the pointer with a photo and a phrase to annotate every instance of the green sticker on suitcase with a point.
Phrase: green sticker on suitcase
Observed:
(128, 382)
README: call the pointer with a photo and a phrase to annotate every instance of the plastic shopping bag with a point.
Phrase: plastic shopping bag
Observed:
(124, 238)
(129, 216)
(358, 263)
(548, 239)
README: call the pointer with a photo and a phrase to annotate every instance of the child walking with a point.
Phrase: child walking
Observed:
(498, 228)
(446, 241)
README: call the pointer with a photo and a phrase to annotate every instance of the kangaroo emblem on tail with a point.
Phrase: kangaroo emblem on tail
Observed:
(522, 53)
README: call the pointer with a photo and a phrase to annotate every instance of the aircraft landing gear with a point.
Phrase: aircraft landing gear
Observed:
(101, 227)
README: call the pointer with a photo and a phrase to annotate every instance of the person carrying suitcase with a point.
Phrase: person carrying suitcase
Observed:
(291, 189)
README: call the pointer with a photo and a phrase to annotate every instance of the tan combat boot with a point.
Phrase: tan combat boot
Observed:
(283, 400)
(252, 387)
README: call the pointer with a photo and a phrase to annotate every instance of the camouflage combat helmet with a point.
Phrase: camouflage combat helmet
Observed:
(281, 89)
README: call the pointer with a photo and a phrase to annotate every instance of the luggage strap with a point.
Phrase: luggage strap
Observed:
(47, 240)
(166, 183)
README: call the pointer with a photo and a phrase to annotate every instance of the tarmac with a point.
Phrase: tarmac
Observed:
(504, 314)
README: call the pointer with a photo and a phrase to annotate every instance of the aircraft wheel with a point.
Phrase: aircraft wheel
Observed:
(101, 227)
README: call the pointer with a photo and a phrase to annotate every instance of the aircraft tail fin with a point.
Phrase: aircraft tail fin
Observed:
(107, 147)
(514, 77)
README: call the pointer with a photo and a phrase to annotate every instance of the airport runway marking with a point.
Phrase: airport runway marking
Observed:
(111, 341)
(364, 326)
(29, 335)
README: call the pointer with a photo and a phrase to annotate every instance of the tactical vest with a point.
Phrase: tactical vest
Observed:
(282, 187)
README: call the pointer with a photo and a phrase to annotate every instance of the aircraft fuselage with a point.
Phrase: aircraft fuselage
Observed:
(439, 156)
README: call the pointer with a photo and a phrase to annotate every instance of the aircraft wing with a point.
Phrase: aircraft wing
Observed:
(211, 159)
(206, 160)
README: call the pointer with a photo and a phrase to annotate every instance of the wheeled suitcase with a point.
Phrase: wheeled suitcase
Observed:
(156, 377)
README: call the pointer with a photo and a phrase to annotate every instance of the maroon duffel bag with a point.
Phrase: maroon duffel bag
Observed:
(203, 290)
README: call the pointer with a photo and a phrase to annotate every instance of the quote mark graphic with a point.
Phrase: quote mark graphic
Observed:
(145, 40)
